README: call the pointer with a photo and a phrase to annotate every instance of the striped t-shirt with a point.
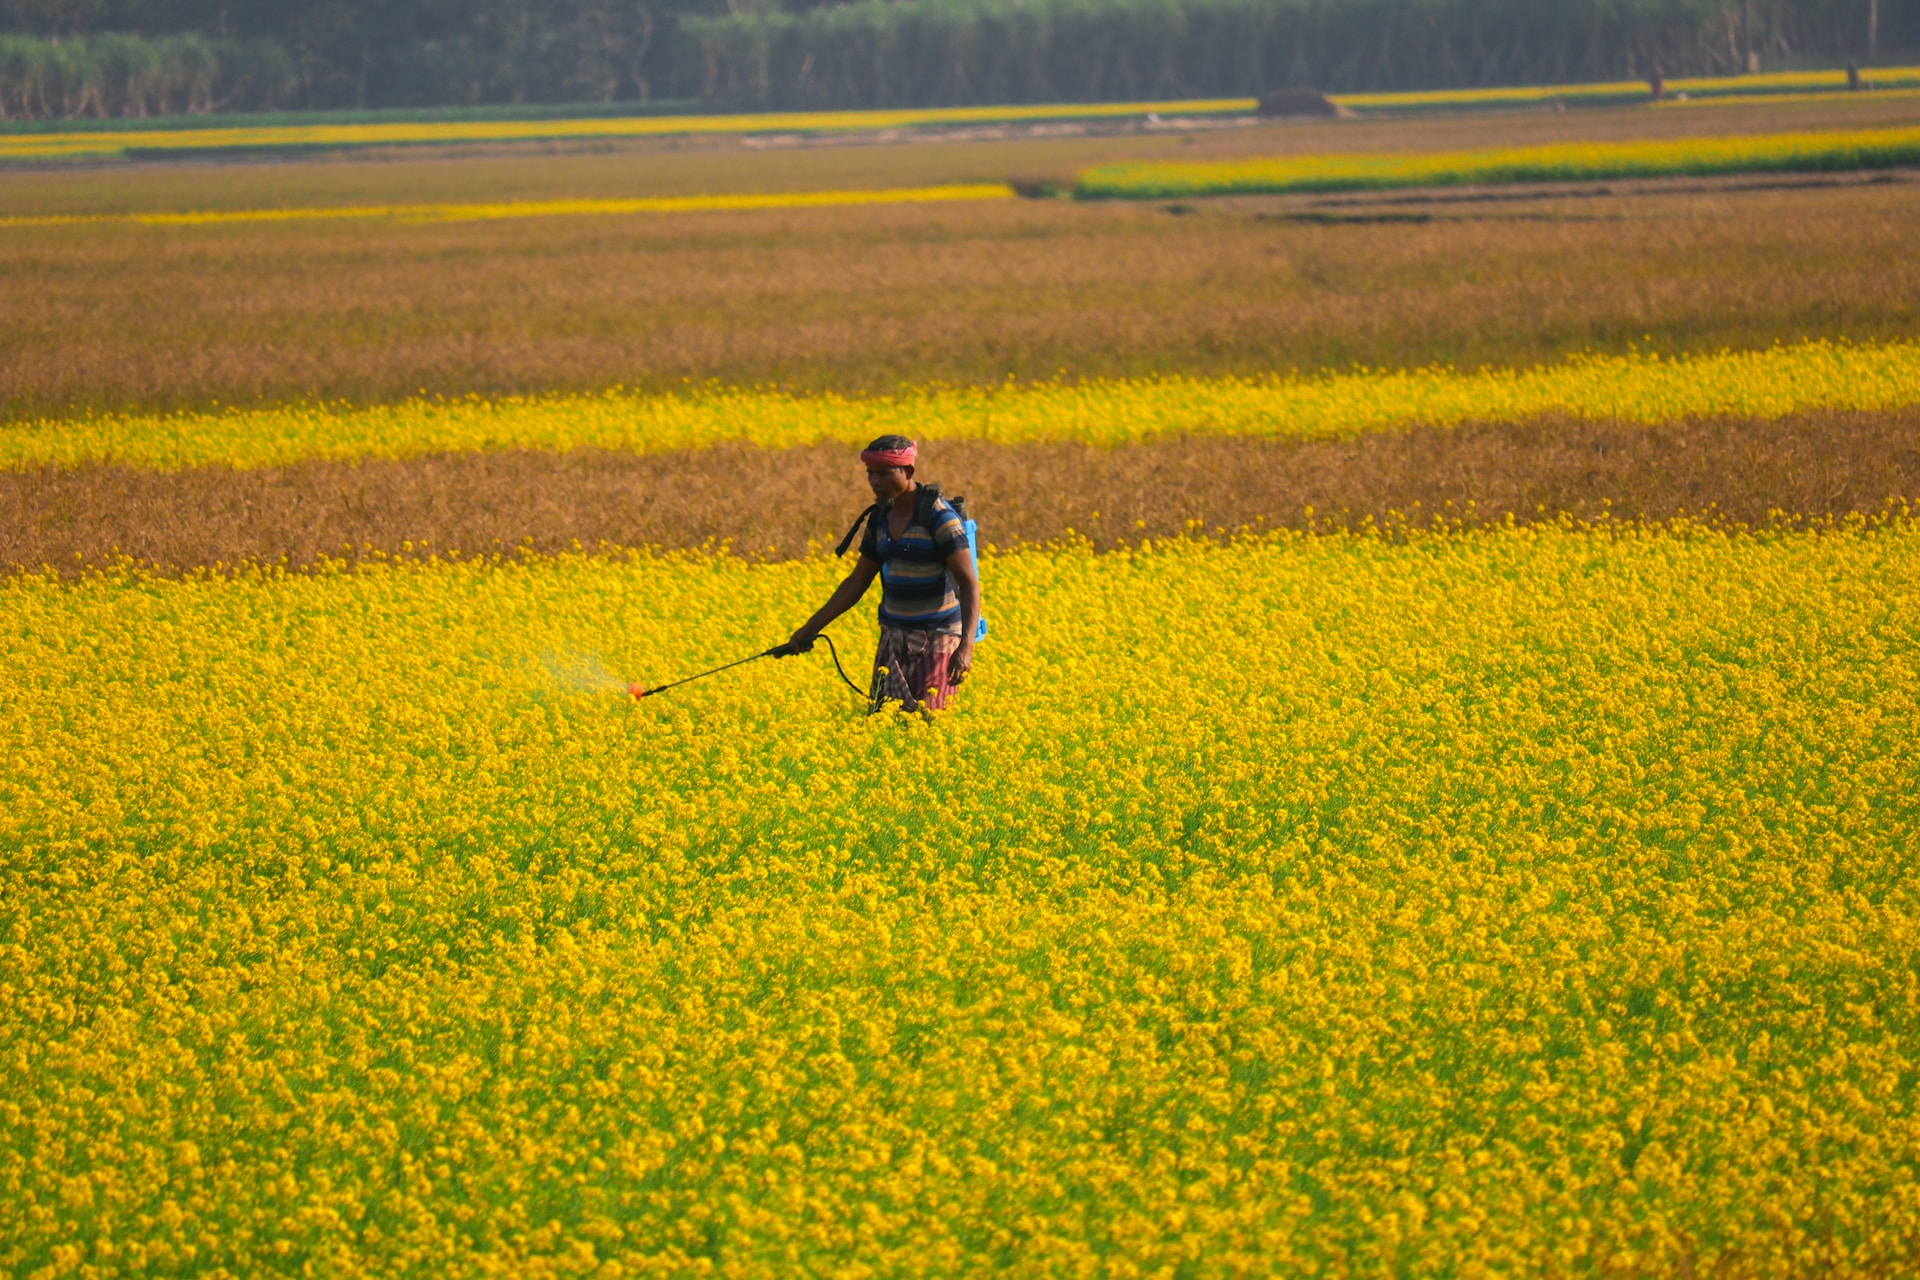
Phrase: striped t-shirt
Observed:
(916, 591)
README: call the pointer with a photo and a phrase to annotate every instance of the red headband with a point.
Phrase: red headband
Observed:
(888, 457)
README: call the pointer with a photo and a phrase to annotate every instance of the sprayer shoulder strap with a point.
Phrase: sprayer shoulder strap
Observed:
(866, 514)
(925, 499)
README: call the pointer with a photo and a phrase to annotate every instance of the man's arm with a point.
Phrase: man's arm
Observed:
(966, 585)
(844, 597)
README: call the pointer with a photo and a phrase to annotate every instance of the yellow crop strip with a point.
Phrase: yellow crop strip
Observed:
(1835, 151)
(1527, 902)
(1898, 94)
(1638, 388)
(1781, 83)
(32, 145)
(958, 191)
(112, 141)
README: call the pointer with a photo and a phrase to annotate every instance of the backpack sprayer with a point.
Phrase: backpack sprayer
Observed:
(927, 498)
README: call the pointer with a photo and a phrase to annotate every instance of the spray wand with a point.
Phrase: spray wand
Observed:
(778, 651)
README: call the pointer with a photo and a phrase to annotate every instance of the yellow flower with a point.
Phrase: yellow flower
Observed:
(1524, 901)
(1636, 388)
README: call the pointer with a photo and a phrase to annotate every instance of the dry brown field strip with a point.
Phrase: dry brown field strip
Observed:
(858, 300)
(782, 504)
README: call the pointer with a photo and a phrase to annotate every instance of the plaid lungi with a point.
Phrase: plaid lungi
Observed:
(911, 668)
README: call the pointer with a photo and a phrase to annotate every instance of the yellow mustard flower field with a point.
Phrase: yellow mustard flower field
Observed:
(1526, 901)
(1640, 388)
(500, 210)
(1823, 152)
(1330, 888)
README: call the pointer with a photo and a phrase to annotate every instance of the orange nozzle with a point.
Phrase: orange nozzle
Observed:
(637, 690)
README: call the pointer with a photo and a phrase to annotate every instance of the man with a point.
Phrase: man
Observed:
(929, 590)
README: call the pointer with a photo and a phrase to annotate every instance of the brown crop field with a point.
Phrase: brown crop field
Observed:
(767, 504)
(109, 316)
(113, 315)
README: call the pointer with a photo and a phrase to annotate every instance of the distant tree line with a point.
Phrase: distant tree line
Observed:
(376, 53)
(940, 52)
(114, 74)
(148, 57)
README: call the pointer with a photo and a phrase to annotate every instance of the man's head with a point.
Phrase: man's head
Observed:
(889, 462)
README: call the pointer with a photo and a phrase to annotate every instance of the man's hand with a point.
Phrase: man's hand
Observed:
(961, 663)
(800, 642)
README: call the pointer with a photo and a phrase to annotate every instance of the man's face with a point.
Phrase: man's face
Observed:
(889, 482)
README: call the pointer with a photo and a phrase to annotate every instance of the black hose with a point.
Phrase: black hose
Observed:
(842, 670)
(778, 651)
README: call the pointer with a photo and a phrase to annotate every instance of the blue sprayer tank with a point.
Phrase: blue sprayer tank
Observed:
(973, 548)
